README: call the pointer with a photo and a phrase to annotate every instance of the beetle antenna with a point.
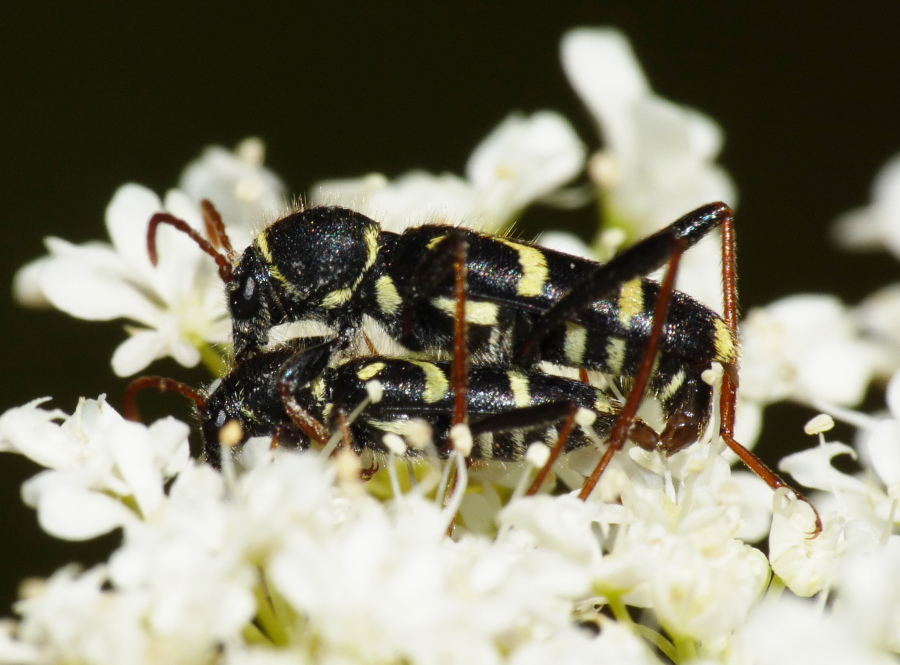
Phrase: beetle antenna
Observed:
(222, 261)
(215, 229)
(161, 384)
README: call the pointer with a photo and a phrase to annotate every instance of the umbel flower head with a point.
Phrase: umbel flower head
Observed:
(285, 556)
(177, 305)
(523, 160)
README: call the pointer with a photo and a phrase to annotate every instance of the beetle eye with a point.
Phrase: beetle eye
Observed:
(244, 298)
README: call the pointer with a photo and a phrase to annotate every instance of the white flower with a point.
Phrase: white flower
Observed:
(869, 595)
(870, 499)
(562, 523)
(790, 631)
(615, 644)
(94, 458)
(14, 650)
(879, 316)
(806, 564)
(658, 160)
(878, 225)
(282, 552)
(191, 564)
(524, 159)
(179, 304)
(670, 546)
(857, 510)
(378, 586)
(244, 192)
(415, 197)
(880, 447)
(683, 560)
(806, 348)
(70, 618)
(874, 227)
(78, 618)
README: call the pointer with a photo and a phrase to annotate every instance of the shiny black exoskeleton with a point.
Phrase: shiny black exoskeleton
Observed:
(525, 303)
(508, 408)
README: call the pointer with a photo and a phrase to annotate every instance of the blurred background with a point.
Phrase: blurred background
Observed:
(806, 92)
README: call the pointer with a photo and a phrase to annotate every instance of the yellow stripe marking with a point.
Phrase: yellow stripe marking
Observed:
(534, 268)
(726, 349)
(373, 242)
(337, 298)
(631, 301)
(285, 283)
(615, 355)
(389, 300)
(576, 343)
(673, 386)
(436, 383)
(478, 313)
(521, 390)
(434, 242)
(370, 371)
(262, 241)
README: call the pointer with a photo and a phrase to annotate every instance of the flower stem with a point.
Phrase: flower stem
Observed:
(213, 359)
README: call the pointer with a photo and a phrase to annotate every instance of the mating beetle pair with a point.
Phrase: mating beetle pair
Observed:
(504, 303)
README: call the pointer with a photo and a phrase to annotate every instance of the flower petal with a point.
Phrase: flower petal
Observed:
(127, 218)
(31, 431)
(879, 223)
(88, 291)
(74, 513)
(138, 351)
(132, 450)
(882, 445)
(522, 160)
(605, 73)
(27, 284)
(805, 564)
(242, 189)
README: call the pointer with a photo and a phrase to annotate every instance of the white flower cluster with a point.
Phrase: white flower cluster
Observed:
(178, 304)
(521, 161)
(277, 564)
(293, 560)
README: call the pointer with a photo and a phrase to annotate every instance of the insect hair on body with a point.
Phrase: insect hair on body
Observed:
(523, 304)
(277, 392)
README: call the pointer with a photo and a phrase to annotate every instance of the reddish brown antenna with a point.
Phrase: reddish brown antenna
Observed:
(162, 384)
(215, 228)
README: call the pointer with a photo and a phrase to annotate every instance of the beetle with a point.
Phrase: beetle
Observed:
(525, 303)
(289, 393)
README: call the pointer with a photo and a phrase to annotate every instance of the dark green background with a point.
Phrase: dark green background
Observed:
(96, 95)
